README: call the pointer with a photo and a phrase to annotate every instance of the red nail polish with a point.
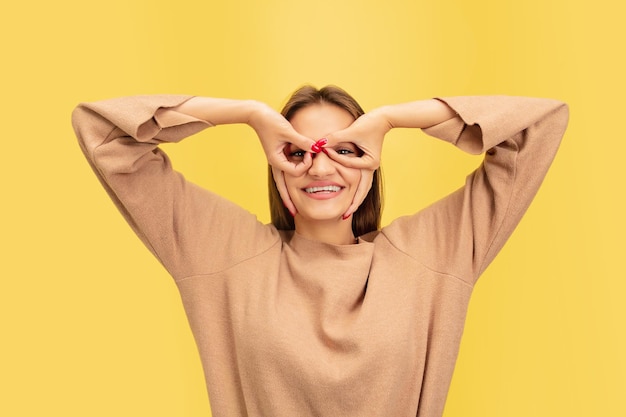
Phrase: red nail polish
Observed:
(317, 146)
(344, 217)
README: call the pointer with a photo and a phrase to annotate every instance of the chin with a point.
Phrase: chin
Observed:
(322, 219)
(332, 209)
(321, 214)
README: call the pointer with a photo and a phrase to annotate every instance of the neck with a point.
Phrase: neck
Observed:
(334, 232)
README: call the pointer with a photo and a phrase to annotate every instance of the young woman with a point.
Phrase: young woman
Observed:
(321, 313)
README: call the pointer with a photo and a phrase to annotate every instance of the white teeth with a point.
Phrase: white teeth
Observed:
(331, 188)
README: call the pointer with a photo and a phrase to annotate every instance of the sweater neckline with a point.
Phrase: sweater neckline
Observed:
(302, 244)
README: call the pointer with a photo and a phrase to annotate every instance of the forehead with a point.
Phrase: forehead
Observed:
(318, 120)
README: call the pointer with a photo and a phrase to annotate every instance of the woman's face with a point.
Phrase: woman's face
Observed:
(327, 189)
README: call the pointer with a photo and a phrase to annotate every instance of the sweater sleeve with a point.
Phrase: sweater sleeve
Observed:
(462, 233)
(190, 230)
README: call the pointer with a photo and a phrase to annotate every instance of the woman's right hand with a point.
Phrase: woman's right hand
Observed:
(277, 135)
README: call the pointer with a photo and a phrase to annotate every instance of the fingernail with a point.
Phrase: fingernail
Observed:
(325, 151)
(346, 216)
(317, 146)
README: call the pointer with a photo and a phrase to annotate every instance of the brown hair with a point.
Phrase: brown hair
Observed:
(367, 218)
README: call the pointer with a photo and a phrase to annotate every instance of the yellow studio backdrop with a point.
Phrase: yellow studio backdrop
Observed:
(91, 325)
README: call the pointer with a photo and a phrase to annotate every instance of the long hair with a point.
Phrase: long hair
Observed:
(367, 218)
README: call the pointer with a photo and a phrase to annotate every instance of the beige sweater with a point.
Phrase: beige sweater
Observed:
(287, 326)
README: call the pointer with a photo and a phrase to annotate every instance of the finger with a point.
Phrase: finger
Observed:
(336, 137)
(365, 161)
(318, 146)
(303, 167)
(279, 179)
(297, 169)
(300, 141)
(361, 192)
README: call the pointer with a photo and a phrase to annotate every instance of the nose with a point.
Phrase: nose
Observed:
(322, 165)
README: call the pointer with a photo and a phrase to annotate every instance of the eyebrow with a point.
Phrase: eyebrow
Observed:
(346, 144)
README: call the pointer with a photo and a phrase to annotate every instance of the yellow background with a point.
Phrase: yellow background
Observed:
(91, 325)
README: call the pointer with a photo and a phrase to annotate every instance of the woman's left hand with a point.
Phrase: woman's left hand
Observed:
(367, 133)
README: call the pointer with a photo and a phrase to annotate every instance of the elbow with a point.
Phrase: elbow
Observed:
(562, 117)
(90, 128)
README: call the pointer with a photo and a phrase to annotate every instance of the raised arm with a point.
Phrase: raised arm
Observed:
(273, 130)
(461, 234)
(183, 225)
(368, 131)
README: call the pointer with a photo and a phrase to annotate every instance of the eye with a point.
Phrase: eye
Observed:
(348, 149)
(294, 154)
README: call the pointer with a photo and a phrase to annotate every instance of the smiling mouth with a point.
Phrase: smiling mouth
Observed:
(325, 189)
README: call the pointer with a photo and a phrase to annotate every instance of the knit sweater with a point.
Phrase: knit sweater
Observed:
(287, 326)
